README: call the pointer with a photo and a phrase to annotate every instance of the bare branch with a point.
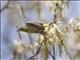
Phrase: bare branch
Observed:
(67, 51)
(30, 38)
(19, 33)
(51, 55)
(6, 6)
(37, 52)
(54, 50)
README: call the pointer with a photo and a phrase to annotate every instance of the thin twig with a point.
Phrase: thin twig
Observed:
(19, 34)
(5, 7)
(51, 55)
(54, 50)
(37, 52)
(30, 37)
(67, 51)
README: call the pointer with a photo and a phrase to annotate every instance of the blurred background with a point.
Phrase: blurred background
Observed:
(20, 12)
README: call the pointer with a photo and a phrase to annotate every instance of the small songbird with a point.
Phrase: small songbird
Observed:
(33, 28)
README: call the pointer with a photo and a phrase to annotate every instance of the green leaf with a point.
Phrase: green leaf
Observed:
(60, 45)
(60, 41)
(44, 49)
(45, 52)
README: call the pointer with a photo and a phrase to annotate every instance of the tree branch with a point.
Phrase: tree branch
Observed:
(51, 55)
(67, 51)
(6, 6)
(35, 53)
(54, 50)
(19, 34)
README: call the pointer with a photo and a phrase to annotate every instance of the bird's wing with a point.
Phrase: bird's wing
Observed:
(37, 25)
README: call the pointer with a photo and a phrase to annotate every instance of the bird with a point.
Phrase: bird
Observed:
(34, 27)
